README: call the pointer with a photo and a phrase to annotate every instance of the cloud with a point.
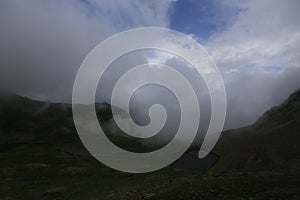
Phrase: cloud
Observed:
(250, 94)
(264, 33)
(134, 13)
(44, 42)
(258, 55)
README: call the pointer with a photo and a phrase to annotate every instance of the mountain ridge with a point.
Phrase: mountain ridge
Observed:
(266, 144)
(270, 143)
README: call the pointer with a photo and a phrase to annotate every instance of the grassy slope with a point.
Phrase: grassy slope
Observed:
(44, 172)
(272, 143)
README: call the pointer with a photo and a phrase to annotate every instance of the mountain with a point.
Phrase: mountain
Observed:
(24, 121)
(42, 158)
(272, 142)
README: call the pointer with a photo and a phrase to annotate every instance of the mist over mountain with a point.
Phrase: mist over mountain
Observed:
(268, 143)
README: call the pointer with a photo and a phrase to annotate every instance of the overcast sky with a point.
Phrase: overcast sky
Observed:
(255, 43)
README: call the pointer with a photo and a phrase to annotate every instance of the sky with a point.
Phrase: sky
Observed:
(255, 44)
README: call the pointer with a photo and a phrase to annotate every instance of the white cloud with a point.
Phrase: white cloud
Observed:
(134, 13)
(265, 33)
(258, 54)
